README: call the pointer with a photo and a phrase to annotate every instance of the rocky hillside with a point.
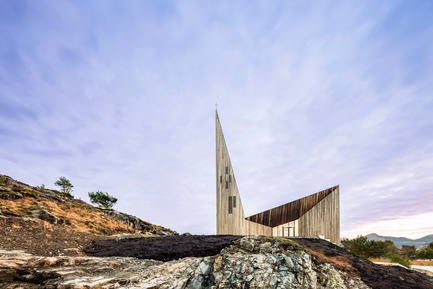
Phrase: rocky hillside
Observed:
(48, 222)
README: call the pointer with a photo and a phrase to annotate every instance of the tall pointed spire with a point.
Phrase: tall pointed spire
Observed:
(230, 214)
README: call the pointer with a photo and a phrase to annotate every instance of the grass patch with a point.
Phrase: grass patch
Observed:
(338, 261)
(421, 262)
(2, 180)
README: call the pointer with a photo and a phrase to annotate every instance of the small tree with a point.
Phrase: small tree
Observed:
(426, 253)
(65, 184)
(408, 251)
(102, 199)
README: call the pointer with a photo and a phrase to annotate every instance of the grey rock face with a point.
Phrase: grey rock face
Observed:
(5, 189)
(253, 262)
(8, 194)
(138, 224)
(46, 216)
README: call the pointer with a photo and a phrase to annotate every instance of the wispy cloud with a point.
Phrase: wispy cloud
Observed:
(119, 96)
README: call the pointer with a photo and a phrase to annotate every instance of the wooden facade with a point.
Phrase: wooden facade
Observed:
(230, 212)
(316, 214)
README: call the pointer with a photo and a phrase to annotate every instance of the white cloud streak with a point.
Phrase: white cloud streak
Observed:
(119, 97)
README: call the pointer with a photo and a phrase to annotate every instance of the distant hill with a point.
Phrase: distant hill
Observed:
(400, 241)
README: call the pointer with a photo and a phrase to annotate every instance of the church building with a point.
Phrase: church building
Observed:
(314, 215)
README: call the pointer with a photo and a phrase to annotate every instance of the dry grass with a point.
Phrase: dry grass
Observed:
(422, 262)
(412, 262)
(338, 261)
(83, 218)
(384, 260)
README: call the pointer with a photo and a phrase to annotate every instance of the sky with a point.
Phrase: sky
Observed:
(119, 96)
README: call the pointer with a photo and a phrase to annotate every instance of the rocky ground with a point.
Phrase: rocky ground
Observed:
(170, 248)
(251, 262)
(161, 248)
(41, 238)
(204, 262)
(374, 275)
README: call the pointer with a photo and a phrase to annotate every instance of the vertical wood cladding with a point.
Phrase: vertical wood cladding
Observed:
(230, 213)
(323, 219)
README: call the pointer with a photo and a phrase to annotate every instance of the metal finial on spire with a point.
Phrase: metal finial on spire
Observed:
(216, 106)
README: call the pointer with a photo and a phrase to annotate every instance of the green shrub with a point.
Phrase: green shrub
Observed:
(426, 253)
(102, 199)
(408, 251)
(66, 186)
(2, 180)
(397, 259)
(41, 187)
(369, 248)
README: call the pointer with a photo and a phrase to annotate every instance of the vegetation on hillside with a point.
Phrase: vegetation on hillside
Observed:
(61, 209)
(371, 249)
(66, 186)
(102, 199)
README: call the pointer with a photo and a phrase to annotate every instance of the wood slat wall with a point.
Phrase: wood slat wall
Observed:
(323, 219)
(290, 211)
(234, 223)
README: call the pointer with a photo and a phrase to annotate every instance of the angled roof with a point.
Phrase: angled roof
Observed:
(290, 211)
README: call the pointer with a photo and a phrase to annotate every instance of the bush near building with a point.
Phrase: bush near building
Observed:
(371, 249)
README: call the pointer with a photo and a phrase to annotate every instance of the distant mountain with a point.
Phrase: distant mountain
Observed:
(400, 241)
(428, 239)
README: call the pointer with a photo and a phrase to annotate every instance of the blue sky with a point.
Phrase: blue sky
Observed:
(119, 96)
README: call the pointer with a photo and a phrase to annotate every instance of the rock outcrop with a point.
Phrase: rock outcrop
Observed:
(138, 224)
(252, 262)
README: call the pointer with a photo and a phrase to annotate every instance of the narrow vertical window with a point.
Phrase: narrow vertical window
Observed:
(227, 185)
(234, 201)
(227, 170)
(221, 179)
(230, 205)
(230, 178)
